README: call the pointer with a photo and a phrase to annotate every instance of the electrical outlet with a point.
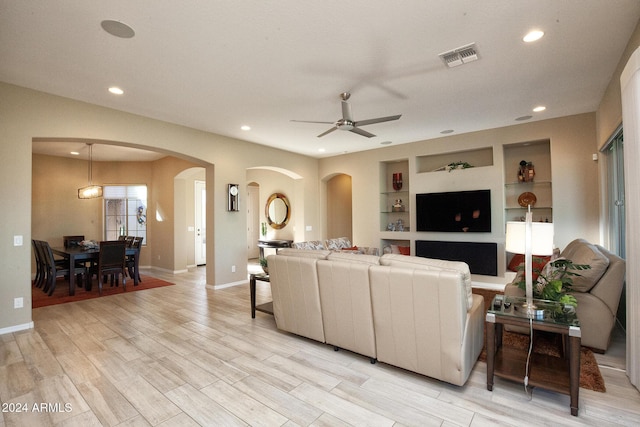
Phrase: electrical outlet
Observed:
(18, 302)
(233, 268)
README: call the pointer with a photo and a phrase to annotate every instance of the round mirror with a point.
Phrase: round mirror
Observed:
(277, 210)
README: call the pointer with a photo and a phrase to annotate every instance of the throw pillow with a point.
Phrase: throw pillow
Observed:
(582, 252)
(404, 250)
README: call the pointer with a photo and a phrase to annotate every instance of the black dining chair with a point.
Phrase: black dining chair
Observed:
(111, 261)
(58, 268)
(131, 259)
(41, 268)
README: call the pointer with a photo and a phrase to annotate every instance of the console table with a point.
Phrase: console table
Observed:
(277, 244)
(558, 374)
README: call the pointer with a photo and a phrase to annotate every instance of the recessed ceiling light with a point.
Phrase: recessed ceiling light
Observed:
(533, 36)
(446, 131)
(74, 153)
(117, 29)
(539, 108)
(522, 118)
(245, 127)
(116, 90)
(321, 150)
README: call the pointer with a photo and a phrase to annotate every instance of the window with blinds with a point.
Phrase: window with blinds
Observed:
(125, 210)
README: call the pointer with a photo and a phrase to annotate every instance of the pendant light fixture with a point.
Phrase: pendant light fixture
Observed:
(90, 191)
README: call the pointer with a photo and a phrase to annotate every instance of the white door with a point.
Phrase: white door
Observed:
(253, 221)
(200, 222)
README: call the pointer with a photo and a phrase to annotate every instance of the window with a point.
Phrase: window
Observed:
(614, 152)
(125, 211)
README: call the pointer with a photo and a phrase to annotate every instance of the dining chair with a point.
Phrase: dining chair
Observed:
(59, 268)
(131, 259)
(111, 261)
(41, 270)
(129, 240)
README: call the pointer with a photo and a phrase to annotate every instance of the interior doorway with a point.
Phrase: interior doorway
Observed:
(253, 219)
(200, 199)
(339, 207)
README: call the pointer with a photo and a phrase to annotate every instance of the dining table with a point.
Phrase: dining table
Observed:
(79, 253)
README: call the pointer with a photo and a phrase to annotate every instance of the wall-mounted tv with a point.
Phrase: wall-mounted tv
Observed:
(455, 211)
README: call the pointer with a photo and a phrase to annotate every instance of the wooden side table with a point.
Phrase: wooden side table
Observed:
(558, 374)
(266, 307)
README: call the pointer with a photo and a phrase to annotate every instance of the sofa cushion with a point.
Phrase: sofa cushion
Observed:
(309, 245)
(304, 253)
(432, 264)
(580, 251)
(351, 257)
(338, 243)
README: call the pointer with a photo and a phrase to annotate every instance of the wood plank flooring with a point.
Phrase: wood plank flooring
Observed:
(190, 355)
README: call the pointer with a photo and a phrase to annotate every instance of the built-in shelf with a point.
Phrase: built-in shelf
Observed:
(539, 154)
(393, 220)
(437, 162)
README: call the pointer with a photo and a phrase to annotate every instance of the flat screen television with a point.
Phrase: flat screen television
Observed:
(455, 211)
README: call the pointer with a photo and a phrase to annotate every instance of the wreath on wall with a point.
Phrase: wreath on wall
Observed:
(142, 218)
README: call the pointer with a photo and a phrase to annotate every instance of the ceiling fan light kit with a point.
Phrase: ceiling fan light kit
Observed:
(346, 123)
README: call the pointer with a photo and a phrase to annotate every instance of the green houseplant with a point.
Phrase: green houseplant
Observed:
(555, 281)
(264, 265)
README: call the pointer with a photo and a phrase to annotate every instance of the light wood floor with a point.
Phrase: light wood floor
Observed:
(190, 355)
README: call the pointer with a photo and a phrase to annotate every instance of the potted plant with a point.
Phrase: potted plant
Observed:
(555, 281)
(264, 265)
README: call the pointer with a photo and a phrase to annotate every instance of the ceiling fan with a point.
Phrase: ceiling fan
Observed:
(347, 122)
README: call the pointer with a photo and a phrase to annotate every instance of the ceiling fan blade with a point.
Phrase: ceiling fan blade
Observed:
(326, 132)
(346, 111)
(310, 121)
(362, 132)
(378, 120)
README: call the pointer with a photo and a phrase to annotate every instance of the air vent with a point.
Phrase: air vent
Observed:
(459, 56)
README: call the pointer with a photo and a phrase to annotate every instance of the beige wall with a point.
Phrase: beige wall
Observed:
(575, 179)
(27, 114)
(57, 211)
(609, 114)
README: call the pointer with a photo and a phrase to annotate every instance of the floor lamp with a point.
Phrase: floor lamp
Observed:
(529, 238)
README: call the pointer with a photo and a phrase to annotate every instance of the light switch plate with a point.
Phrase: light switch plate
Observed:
(17, 240)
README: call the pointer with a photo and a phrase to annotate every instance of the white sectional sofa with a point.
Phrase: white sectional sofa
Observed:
(415, 313)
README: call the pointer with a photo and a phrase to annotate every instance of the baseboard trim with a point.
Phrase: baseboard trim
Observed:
(228, 285)
(16, 328)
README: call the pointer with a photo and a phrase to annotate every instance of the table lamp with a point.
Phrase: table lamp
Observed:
(529, 238)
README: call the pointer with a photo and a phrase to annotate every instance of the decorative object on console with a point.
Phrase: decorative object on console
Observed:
(397, 181)
(458, 165)
(232, 193)
(529, 238)
(526, 172)
(264, 264)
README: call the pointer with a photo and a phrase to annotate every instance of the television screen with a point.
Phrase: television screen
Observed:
(459, 211)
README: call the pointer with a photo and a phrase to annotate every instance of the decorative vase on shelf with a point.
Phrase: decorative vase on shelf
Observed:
(397, 181)
(397, 206)
(526, 172)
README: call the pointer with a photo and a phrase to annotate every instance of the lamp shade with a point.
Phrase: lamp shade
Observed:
(541, 238)
(90, 192)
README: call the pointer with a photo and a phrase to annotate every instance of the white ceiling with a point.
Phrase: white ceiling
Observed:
(218, 65)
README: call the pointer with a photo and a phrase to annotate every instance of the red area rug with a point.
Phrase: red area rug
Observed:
(61, 294)
(590, 376)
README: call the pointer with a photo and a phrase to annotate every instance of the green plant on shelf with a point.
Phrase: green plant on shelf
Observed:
(458, 165)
